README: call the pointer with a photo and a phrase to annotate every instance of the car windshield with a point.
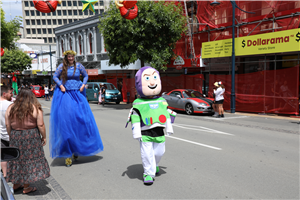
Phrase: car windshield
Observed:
(110, 87)
(36, 88)
(192, 94)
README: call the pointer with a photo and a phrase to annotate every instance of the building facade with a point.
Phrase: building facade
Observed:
(39, 25)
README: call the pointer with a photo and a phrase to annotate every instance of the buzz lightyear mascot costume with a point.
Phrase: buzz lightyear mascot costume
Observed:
(149, 116)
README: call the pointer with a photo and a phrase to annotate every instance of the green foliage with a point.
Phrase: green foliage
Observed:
(150, 37)
(9, 31)
(15, 59)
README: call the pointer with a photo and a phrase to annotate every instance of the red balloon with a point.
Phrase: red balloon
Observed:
(129, 4)
(129, 13)
(2, 52)
(45, 6)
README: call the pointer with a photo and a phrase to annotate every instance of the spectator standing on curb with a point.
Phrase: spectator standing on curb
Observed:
(47, 93)
(102, 89)
(219, 98)
(26, 129)
(5, 101)
(214, 105)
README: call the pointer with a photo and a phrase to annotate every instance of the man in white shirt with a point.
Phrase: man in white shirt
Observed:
(5, 101)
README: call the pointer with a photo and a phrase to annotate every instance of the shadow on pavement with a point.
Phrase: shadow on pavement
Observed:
(81, 160)
(136, 171)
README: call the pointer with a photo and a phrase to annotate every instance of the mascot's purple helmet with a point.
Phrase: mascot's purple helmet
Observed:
(138, 80)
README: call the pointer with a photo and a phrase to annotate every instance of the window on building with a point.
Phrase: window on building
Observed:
(69, 3)
(54, 21)
(64, 3)
(86, 12)
(39, 31)
(59, 22)
(62, 46)
(38, 13)
(38, 22)
(79, 40)
(44, 31)
(45, 40)
(27, 22)
(27, 13)
(101, 3)
(91, 12)
(59, 12)
(69, 12)
(75, 20)
(91, 44)
(75, 12)
(33, 31)
(96, 11)
(64, 12)
(31, 4)
(50, 40)
(80, 12)
(79, 3)
(43, 22)
(74, 3)
(49, 21)
(49, 31)
(26, 3)
(28, 31)
(54, 13)
(32, 12)
(70, 42)
(32, 22)
(70, 20)
(54, 40)
(49, 14)
(101, 11)
(43, 14)
(65, 21)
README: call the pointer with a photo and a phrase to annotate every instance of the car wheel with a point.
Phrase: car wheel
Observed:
(189, 109)
(118, 102)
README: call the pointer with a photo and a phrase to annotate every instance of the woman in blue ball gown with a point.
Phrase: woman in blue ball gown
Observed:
(73, 130)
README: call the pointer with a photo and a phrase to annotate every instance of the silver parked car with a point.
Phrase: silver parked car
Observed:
(188, 100)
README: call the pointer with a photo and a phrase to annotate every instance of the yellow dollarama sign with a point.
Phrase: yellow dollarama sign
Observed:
(277, 42)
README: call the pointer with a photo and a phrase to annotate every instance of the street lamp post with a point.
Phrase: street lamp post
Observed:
(232, 102)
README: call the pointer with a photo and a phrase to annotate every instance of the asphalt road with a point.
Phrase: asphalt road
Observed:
(239, 157)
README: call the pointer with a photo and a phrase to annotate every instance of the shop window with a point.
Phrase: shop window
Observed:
(80, 46)
(62, 47)
(70, 42)
(91, 44)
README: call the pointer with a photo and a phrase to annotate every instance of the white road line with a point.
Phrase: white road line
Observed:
(198, 128)
(204, 145)
(214, 118)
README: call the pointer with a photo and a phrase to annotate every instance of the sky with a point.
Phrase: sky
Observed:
(12, 8)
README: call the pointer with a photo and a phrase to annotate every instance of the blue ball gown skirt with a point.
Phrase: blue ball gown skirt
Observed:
(73, 129)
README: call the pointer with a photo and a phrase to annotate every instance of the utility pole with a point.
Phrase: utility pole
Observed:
(50, 64)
